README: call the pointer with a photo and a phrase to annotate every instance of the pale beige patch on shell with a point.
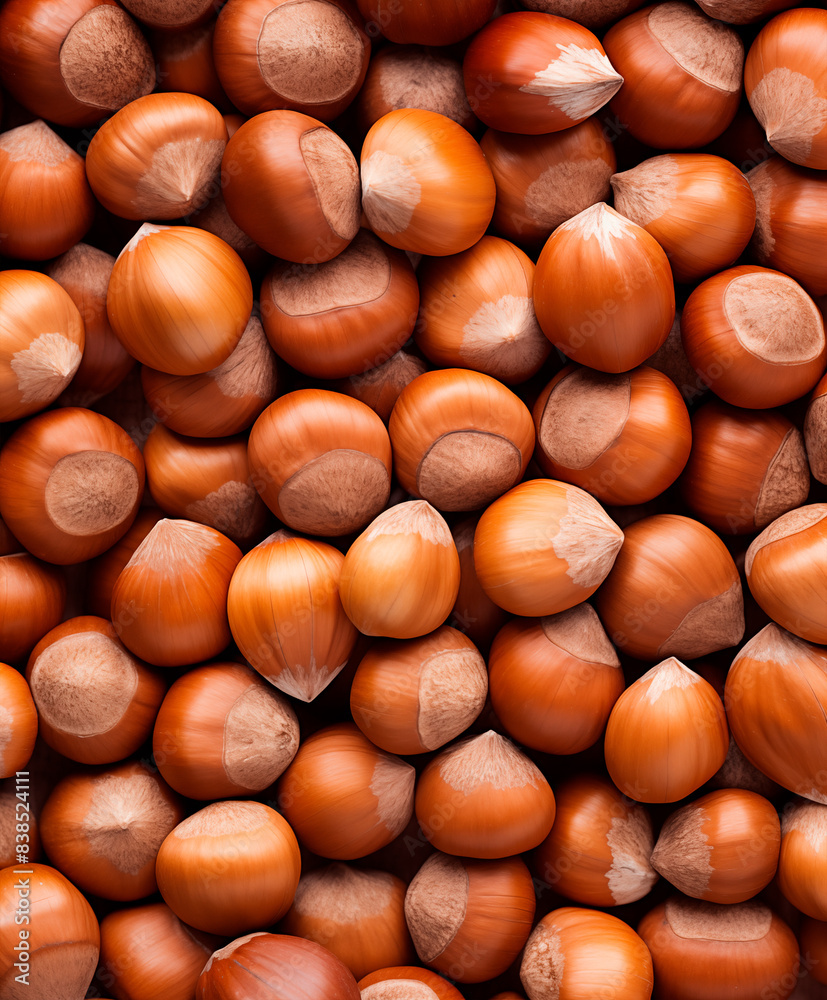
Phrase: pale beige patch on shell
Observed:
(734, 11)
(6, 723)
(230, 948)
(578, 82)
(90, 492)
(670, 359)
(418, 78)
(587, 539)
(215, 219)
(169, 13)
(127, 821)
(648, 191)
(392, 783)
(453, 684)
(399, 989)
(791, 110)
(810, 820)
(305, 681)
(565, 189)
(714, 624)
(45, 367)
(309, 51)
(544, 963)
(84, 683)
(251, 369)
(608, 228)
(489, 759)
(175, 545)
(664, 678)
(773, 318)
(280, 537)
(788, 524)
(390, 192)
(358, 275)
(398, 371)
(436, 904)
(694, 919)
(584, 415)
(590, 13)
(147, 229)
(334, 173)
(55, 973)
(231, 509)
(261, 737)
(468, 469)
(178, 177)
(222, 819)
(504, 335)
(815, 436)
(630, 841)
(772, 644)
(342, 894)
(35, 143)
(8, 814)
(87, 267)
(762, 243)
(786, 484)
(580, 633)
(737, 772)
(411, 517)
(105, 61)
(683, 853)
(711, 51)
(335, 493)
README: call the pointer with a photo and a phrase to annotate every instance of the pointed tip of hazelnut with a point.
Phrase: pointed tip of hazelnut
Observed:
(668, 675)
(173, 543)
(598, 211)
(587, 539)
(305, 682)
(630, 841)
(231, 948)
(393, 784)
(580, 632)
(46, 366)
(577, 82)
(603, 224)
(35, 142)
(646, 192)
(411, 517)
(279, 537)
(773, 644)
(488, 759)
(147, 229)
(390, 192)
(683, 854)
